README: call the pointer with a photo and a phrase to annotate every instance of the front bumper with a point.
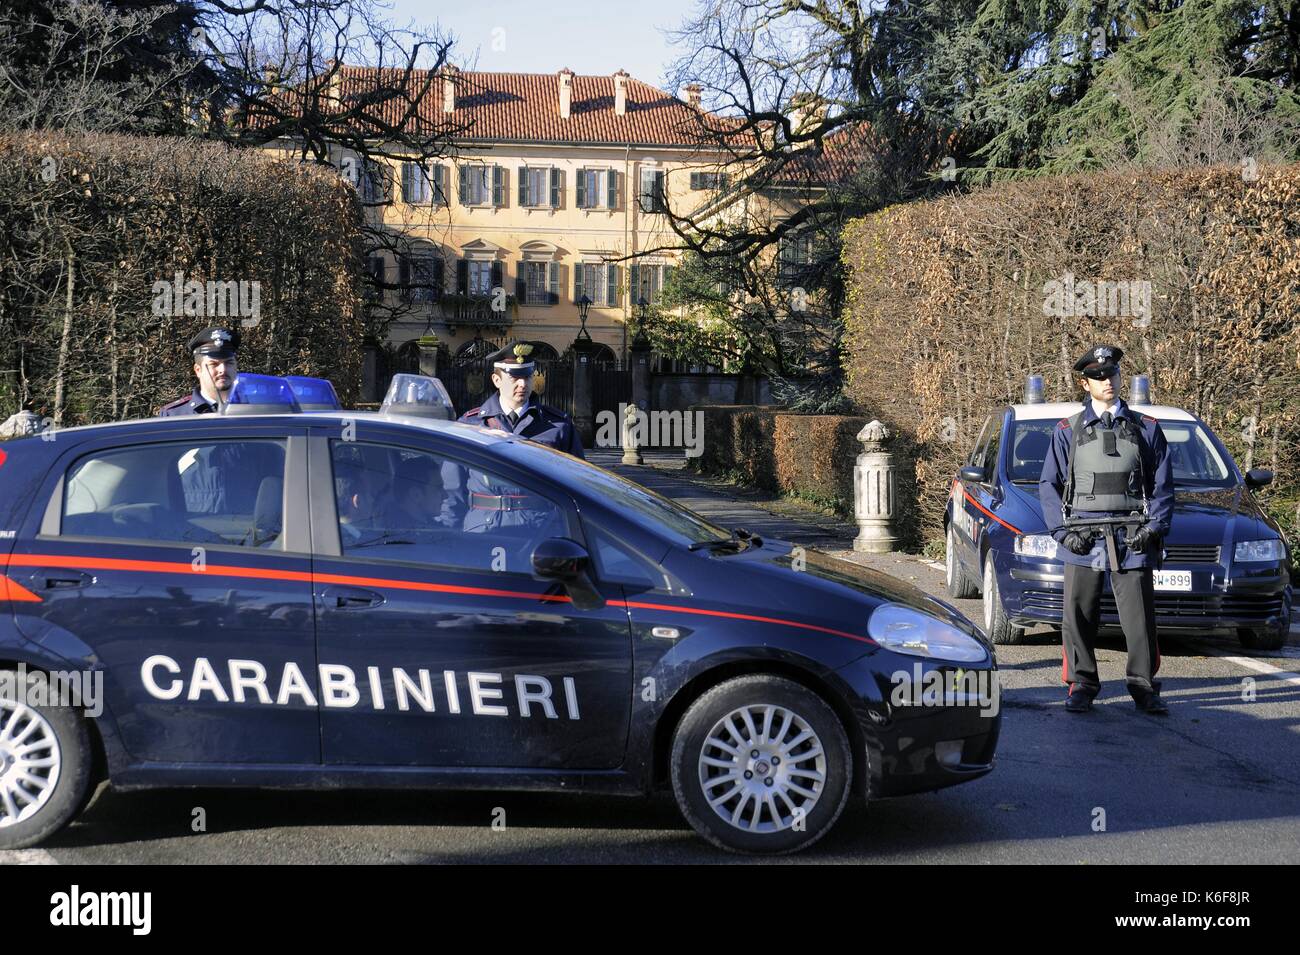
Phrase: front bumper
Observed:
(1033, 591)
(925, 724)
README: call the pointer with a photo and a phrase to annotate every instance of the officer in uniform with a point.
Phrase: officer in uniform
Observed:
(1108, 462)
(215, 366)
(475, 502)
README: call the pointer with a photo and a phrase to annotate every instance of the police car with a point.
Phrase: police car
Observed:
(296, 600)
(1225, 568)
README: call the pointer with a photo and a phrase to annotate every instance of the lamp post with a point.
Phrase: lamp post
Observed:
(584, 307)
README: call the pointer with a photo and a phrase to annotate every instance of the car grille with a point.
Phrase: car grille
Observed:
(1192, 553)
(1238, 607)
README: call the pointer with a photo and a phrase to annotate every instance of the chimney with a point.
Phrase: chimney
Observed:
(566, 92)
(449, 74)
(806, 110)
(620, 92)
(693, 91)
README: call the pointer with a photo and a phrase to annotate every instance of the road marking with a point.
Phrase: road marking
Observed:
(27, 857)
(1259, 666)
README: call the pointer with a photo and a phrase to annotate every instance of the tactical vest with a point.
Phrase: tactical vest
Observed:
(1105, 468)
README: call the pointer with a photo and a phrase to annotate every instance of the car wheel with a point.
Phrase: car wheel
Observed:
(999, 629)
(959, 582)
(45, 765)
(1262, 639)
(761, 764)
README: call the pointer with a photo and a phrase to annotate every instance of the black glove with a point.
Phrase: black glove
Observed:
(1076, 543)
(1142, 538)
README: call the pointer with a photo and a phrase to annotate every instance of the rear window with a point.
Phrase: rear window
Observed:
(223, 492)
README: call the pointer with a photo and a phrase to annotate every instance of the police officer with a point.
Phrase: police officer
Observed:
(215, 366)
(1108, 462)
(474, 501)
(515, 409)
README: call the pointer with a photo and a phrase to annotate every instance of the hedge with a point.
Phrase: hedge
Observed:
(93, 222)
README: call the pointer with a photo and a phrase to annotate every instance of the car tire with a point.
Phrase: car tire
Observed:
(775, 819)
(999, 628)
(959, 582)
(1262, 639)
(30, 813)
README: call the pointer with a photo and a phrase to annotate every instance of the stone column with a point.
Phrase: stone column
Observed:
(873, 492)
(583, 417)
(428, 345)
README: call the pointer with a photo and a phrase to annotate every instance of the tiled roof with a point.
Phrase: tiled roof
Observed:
(842, 152)
(525, 107)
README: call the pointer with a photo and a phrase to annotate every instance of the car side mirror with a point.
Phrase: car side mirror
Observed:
(974, 474)
(567, 562)
(1258, 477)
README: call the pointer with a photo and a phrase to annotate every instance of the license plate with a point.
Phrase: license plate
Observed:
(1173, 580)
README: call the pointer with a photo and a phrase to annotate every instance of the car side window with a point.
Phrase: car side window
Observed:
(989, 459)
(977, 453)
(222, 492)
(402, 504)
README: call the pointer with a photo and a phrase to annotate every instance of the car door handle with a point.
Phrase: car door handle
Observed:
(60, 579)
(350, 598)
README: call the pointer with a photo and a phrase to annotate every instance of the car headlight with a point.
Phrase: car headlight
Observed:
(1036, 545)
(1247, 551)
(905, 630)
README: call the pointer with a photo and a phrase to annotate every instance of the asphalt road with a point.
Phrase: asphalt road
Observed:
(1217, 781)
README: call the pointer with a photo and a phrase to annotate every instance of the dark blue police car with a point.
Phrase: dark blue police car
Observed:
(299, 601)
(1225, 569)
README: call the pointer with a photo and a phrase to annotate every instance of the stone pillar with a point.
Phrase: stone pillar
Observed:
(583, 416)
(370, 372)
(428, 345)
(639, 356)
(873, 492)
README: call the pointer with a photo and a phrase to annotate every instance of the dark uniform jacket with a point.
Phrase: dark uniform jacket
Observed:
(194, 404)
(476, 502)
(1159, 479)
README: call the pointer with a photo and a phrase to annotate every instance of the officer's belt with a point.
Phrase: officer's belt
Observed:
(505, 502)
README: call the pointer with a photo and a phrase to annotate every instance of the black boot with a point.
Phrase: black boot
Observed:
(1079, 700)
(1148, 701)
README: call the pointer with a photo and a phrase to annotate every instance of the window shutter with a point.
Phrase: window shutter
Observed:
(495, 275)
(523, 186)
(521, 283)
(462, 276)
(634, 285)
(464, 185)
(557, 187)
(498, 186)
(439, 184)
(580, 188)
(643, 193)
(404, 277)
(553, 286)
(579, 277)
(408, 190)
(612, 185)
(695, 181)
(437, 279)
(611, 285)
(659, 202)
(668, 274)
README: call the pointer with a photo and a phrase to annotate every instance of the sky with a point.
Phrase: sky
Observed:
(543, 37)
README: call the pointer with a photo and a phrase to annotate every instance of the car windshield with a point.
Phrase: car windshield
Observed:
(1197, 463)
(624, 496)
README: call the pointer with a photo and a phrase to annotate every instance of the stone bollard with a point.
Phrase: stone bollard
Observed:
(873, 492)
(631, 453)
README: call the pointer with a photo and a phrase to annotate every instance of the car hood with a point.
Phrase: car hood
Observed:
(837, 579)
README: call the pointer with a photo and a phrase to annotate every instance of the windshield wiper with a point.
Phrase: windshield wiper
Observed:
(738, 537)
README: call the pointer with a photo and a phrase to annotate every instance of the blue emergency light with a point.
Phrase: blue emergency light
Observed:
(261, 394)
(314, 394)
(419, 396)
